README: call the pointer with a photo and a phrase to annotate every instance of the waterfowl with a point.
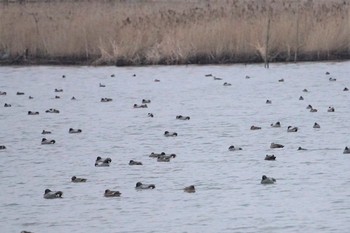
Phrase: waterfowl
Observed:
(227, 84)
(7, 105)
(281, 80)
(316, 126)
(157, 80)
(146, 101)
(346, 89)
(71, 130)
(19, 93)
(276, 145)
(30, 97)
(45, 141)
(190, 189)
(33, 113)
(267, 180)
(63, 76)
(112, 75)
(139, 185)
(106, 99)
(313, 110)
(57, 97)
(180, 117)
(170, 134)
(140, 106)
(156, 155)
(3, 93)
(165, 158)
(132, 162)
(26, 232)
(110, 193)
(276, 125)
(330, 109)
(102, 85)
(292, 129)
(305, 90)
(134, 75)
(208, 75)
(58, 90)
(52, 110)
(46, 132)
(346, 150)
(300, 148)
(253, 127)
(102, 162)
(2, 147)
(301, 98)
(52, 194)
(233, 148)
(73, 98)
(247, 77)
(215, 78)
(150, 114)
(327, 73)
(309, 107)
(270, 157)
(332, 79)
(268, 101)
(78, 180)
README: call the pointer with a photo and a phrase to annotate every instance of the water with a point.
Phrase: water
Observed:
(312, 189)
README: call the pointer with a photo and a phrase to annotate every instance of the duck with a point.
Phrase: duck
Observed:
(267, 180)
(146, 101)
(112, 75)
(156, 155)
(301, 98)
(140, 106)
(276, 125)
(332, 79)
(71, 130)
(305, 90)
(309, 106)
(180, 117)
(7, 105)
(63, 76)
(150, 114)
(346, 150)
(227, 84)
(346, 89)
(110, 193)
(165, 158)
(281, 80)
(313, 110)
(57, 97)
(58, 90)
(102, 85)
(73, 98)
(330, 109)
(139, 185)
(132, 162)
(45, 132)
(78, 180)
(300, 148)
(170, 134)
(276, 145)
(52, 110)
(102, 162)
(2, 147)
(208, 75)
(270, 157)
(26, 232)
(106, 99)
(190, 189)
(233, 148)
(30, 97)
(45, 141)
(52, 194)
(33, 113)
(157, 80)
(292, 129)
(3, 93)
(268, 101)
(215, 78)
(19, 93)
(253, 127)
(247, 77)
(316, 126)
(134, 75)
(327, 73)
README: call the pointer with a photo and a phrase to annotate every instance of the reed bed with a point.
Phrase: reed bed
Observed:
(173, 32)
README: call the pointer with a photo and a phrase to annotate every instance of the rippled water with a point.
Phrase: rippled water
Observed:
(312, 189)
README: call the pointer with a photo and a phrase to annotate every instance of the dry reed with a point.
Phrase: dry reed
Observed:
(173, 32)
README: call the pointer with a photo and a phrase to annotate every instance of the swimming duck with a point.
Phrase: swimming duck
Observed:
(30, 97)
(45, 141)
(33, 113)
(332, 79)
(276, 145)
(52, 194)
(190, 189)
(26, 232)
(106, 99)
(268, 101)
(7, 105)
(313, 110)
(309, 106)
(46, 132)
(247, 77)
(276, 125)
(330, 109)
(140, 106)
(139, 185)
(52, 110)
(134, 75)
(180, 117)
(316, 126)
(58, 90)
(267, 180)
(301, 98)
(57, 97)
(132, 162)
(233, 148)
(270, 157)
(144, 101)
(281, 80)
(73, 98)
(102, 162)
(300, 148)
(112, 75)
(63, 76)
(165, 158)
(253, 127)
(215, 78)
(2, 147)
(110, 193)
(170, 134)
(208, 75)
(156, 155)
(327, 73)
(71, 130)
(102, 85)
(346, 150)
(157, 80)
(150, 114)
(227, 84)
(19, 93)
(305, 90)
(346, 89)
(292, 129)
(3, 93)
(78, 180)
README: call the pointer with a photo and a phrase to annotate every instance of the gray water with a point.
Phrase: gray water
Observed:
(312, 189)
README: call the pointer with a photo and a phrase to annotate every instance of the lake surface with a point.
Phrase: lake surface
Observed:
(312, 192)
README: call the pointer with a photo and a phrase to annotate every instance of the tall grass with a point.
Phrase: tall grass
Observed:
(174, 32)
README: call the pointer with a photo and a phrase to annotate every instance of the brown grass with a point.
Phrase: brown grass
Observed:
(174, 32)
